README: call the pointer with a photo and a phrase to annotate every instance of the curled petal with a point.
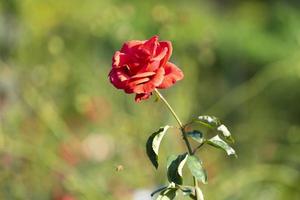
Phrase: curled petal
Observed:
(149, 86)
(129, 45)
(168, 45)
(141, 88)
(142, 75)
(172, 74)
(119, 59)
(159, 77)
(161, 55)
(140, 81)
(153, 66)
(118, 78)
(150, 45)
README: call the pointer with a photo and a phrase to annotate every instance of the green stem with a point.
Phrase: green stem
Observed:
(184, 135)
(169, 107)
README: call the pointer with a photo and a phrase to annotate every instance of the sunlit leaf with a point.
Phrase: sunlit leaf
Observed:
(164, 188)
(167, 194)
(219, 143)
(175, 169)
(198, 194)
(196, 168)
(209, 121)
(215, 124)
(196, 135)
(170, 159)
(159, 190)
(186, 190)
(153, 143)
(194, 193)
(226, 133)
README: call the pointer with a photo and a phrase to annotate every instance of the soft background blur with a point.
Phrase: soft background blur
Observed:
(64, 129)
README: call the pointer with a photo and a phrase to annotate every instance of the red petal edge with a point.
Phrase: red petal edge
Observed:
(172, 75)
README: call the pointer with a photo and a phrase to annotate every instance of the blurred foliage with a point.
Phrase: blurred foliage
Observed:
(66, 133)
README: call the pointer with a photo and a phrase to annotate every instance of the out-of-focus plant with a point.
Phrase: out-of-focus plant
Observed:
(241, 61)
(143, 67)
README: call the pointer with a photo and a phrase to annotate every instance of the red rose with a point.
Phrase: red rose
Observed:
(141, 66)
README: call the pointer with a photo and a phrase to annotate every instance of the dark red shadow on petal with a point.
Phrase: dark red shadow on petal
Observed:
(140, 97)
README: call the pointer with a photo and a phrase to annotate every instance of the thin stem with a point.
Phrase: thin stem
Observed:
(178, 120)
(169, 107)
(198, 147)
(196, 186)
(182, 128)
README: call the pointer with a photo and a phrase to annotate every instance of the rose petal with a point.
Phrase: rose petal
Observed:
(143, 96)
(161, 55)
(168, 45)
(128, 90)
(148, 87)
(145, 74)
(129, 45)
(142, 88)
(138, 89)
(159, 77)
(153, 66)
(139, 81)
(172, 74)
(151, 84)
(150, 45)
(119, 59)
(118, 78)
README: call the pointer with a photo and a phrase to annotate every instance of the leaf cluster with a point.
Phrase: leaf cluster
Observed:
(176, 163)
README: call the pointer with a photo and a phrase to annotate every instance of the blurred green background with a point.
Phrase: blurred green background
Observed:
(64, 129)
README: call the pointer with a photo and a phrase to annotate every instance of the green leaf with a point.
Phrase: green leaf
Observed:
(159, 190)
(219, 143)
(193, 192)
(186, 190)
(199, 194)
(225, 132)
(170, 159)
(164, 188)
(214, 123)
(209, 121)
(168, 194)
(175, 169)
(196, 135)
(152, 145)
(196, 168)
